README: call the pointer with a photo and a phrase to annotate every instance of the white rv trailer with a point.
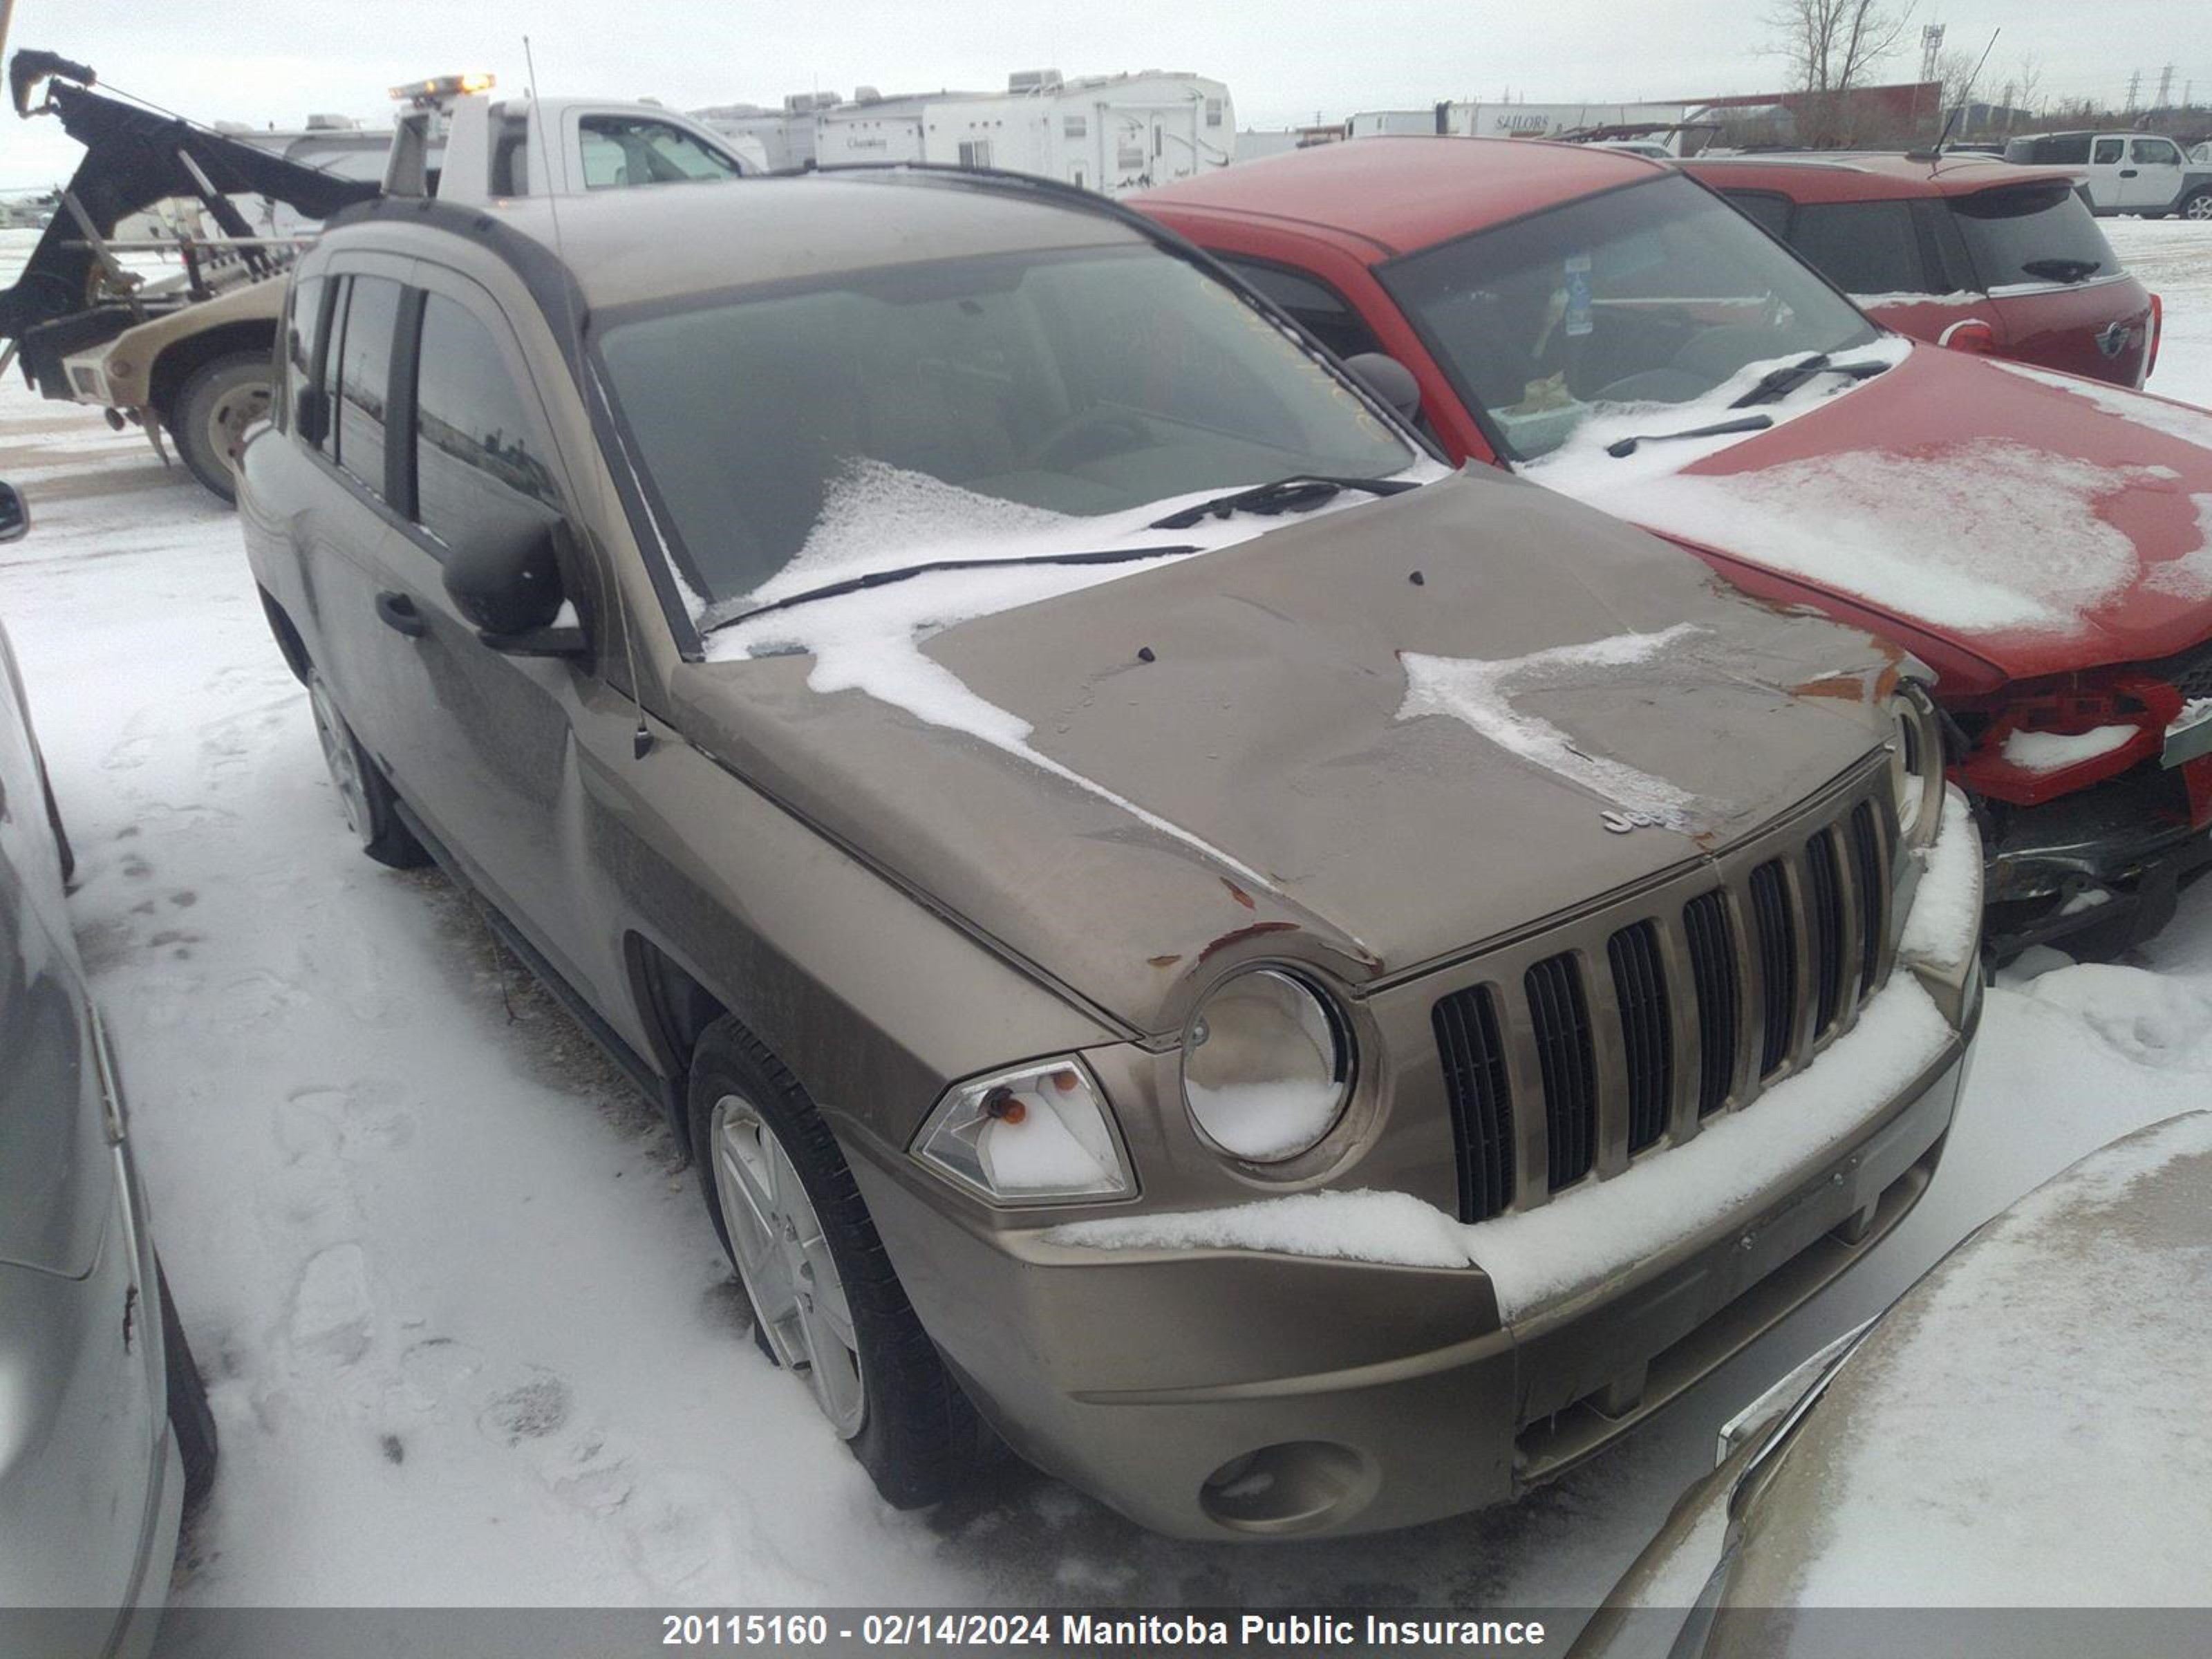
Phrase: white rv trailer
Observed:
(1109, 132)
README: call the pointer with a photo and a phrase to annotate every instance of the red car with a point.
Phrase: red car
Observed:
(1608, 327)
(1974, 253)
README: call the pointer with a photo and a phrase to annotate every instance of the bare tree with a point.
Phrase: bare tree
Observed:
(1955, 72)
(1830, 45)
(2026, 81)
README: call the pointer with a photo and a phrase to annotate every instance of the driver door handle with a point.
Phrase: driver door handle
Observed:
(398, 613)
(2127, 173)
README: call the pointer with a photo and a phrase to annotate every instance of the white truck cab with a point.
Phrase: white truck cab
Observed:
(459, 143)
(2141, 173)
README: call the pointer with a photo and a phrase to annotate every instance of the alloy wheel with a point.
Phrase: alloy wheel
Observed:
(340, 757)
(783, 1258)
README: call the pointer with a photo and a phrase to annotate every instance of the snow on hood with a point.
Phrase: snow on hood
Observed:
(879, 518)
(1480, 694)
(1945, 494)
(1911, 531)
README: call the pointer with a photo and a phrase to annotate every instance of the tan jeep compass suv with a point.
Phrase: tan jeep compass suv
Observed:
(1305, 992)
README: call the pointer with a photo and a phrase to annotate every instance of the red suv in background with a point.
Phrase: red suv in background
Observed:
(1974, 253)
(1608, 327)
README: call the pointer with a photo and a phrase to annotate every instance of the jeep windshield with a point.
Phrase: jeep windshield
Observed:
(1657, 293)
(981, 408)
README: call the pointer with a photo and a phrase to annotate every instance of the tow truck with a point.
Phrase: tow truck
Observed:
(188, 355)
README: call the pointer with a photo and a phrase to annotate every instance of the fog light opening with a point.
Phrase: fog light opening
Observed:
(1295, 1486)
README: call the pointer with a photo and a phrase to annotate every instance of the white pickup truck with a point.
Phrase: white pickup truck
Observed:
(199, 369)
(2137, 172)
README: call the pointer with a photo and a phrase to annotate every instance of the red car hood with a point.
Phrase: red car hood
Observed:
(2040, 523)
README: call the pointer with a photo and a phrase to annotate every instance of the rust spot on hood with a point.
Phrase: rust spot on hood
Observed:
(1847, 687)
(1162, 961)
(1238, 894)
(1253, 931)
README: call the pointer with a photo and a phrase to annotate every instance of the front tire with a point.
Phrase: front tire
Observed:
(370, 809)
(2198, 207)
(826, 1302)
(223, 397)
(190, 1419)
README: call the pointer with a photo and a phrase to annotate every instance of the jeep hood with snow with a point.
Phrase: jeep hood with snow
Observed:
(1377, 735)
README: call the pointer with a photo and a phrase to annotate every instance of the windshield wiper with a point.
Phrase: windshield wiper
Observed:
(725, 613)
(1300, 493)
(1780, 382)
(1621, 447)
(2063, 271)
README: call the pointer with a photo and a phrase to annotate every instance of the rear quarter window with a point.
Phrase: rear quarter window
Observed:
(1769, 211)
(2070, 150)
(1317, 307)
(2037, 232)
(303, 319)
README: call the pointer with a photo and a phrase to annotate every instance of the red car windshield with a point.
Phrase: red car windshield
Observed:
(1657, 293)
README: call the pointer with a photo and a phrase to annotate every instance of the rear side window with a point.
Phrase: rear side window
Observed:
(621, 150)
(304, 316)
(1862, 247)
(2039, 233)
(2069, 149)
(1317, 307)
(2106, 152)
(364, 377)
(480, 461)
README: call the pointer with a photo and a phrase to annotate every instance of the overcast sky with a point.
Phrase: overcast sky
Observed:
(274, 61)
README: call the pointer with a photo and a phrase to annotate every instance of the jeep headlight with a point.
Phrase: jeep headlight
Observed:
(1916, 764)
(1036, 1134)
(1266, 1066)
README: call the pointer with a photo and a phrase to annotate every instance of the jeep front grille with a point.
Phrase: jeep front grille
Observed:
(1640, 988)
(1712, 968)
(1560, 1064)
(1482, 1113)
(1778, 964)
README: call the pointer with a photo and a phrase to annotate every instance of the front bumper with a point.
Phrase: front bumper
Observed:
(2109, 860)
(1138, 1375)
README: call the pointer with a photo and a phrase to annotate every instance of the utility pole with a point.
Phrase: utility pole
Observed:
(2164, 85)
(2135, 82)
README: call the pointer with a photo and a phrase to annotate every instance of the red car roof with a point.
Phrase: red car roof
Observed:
(1872, 178)
(1401, 193)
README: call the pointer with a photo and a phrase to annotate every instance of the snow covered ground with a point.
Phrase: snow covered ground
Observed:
(469, 1337)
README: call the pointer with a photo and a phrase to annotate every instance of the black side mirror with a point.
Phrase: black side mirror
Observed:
(1389, 379)
(507, 580)
(14, 515)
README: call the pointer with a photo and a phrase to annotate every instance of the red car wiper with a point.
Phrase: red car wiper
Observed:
(1780, 382)
(1621, 447)
(727, 612)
